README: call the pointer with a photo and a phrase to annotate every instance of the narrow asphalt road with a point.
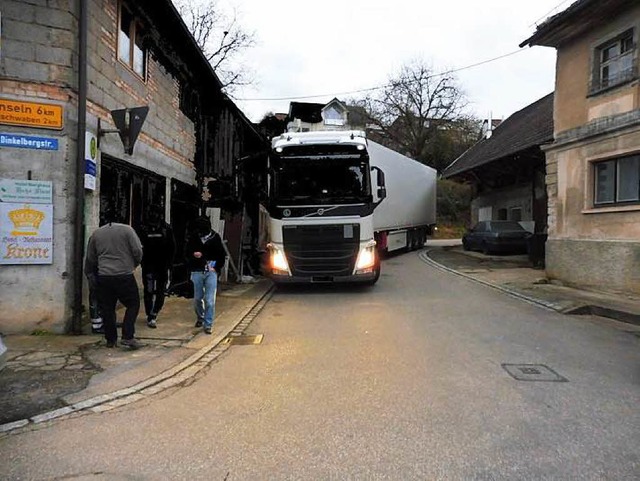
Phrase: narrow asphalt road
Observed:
(414, 378)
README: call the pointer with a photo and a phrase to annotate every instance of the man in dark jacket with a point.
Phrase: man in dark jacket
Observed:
(158, 245)
(205, 256)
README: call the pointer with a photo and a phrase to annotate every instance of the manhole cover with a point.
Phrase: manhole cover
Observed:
(533, 372)
(244, 340)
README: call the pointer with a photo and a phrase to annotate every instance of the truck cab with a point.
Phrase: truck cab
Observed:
(320, 207)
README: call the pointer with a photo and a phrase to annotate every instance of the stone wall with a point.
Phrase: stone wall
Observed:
(39, 42)
(112, 85)
(612, 266)
(38, 65)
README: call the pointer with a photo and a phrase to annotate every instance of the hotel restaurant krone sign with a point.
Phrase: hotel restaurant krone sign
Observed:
(26, 222)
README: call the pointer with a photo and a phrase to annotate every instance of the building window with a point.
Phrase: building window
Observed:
(333, 117)
(614, 62)
(617, 181)
(515, 214)
(131, 52)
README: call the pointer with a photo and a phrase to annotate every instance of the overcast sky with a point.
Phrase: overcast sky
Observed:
(331, 48)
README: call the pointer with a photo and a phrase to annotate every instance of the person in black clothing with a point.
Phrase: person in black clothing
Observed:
(158, 247)
(205, 256)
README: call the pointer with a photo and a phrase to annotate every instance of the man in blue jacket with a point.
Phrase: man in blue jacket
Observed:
(205, 255)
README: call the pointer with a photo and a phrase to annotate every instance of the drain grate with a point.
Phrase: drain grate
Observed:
(244, 340)
(533, 372)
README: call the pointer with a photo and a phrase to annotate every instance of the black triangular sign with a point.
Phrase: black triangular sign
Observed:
(120, 119)
(138, 115)
(129, 123)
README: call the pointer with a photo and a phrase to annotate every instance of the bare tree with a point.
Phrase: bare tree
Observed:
(221, 38)
(421, 114)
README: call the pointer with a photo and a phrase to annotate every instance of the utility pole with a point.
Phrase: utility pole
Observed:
(79, 225)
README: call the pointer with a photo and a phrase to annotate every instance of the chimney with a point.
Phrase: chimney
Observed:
(489, 131)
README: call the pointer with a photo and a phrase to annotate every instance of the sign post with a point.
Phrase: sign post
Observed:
(90, 160)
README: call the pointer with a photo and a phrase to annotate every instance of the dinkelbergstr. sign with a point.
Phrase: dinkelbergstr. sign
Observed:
(28, 142)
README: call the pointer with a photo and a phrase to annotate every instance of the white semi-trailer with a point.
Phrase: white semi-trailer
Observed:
(408, 214)
(324, 193)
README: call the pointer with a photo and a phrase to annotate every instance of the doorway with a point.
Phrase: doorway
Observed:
(129, 192)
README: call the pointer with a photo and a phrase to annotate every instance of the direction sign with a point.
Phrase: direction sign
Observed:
(30, 114)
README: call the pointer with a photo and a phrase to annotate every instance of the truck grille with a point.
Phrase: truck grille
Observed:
(321, 250)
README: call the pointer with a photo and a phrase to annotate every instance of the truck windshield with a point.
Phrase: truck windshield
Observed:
(321, 180)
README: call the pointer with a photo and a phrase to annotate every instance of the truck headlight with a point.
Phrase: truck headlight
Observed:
(366, 257)
(278, 260)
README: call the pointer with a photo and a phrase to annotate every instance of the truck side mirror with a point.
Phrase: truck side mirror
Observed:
(382, 190)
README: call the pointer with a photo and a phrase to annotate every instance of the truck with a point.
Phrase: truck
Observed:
(408, 214)
(324, 189)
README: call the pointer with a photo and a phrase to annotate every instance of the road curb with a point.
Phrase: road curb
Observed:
(582, 309)
(169, 378)
(424, 256)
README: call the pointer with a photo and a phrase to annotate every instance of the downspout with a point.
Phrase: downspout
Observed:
(78, 237)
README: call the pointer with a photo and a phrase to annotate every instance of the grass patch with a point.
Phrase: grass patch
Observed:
(40, 332)
(449, 231)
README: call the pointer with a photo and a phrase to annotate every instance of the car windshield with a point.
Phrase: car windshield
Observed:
(505, 226)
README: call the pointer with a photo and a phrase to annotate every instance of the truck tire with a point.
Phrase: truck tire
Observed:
(413, 239)
(422, 238)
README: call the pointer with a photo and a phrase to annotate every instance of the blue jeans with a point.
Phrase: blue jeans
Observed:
(205, 285)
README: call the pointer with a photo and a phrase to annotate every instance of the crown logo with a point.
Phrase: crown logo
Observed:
(26, 221)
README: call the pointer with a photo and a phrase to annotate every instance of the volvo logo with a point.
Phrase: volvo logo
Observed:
(320, 211)
(286, 212)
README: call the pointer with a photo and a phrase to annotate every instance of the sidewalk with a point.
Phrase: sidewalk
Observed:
(514, 275)
(48, 376)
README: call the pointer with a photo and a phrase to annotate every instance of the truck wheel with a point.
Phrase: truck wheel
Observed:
(413, 243)
(422, 238)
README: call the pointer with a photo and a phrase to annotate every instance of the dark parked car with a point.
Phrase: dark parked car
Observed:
(504, 236)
